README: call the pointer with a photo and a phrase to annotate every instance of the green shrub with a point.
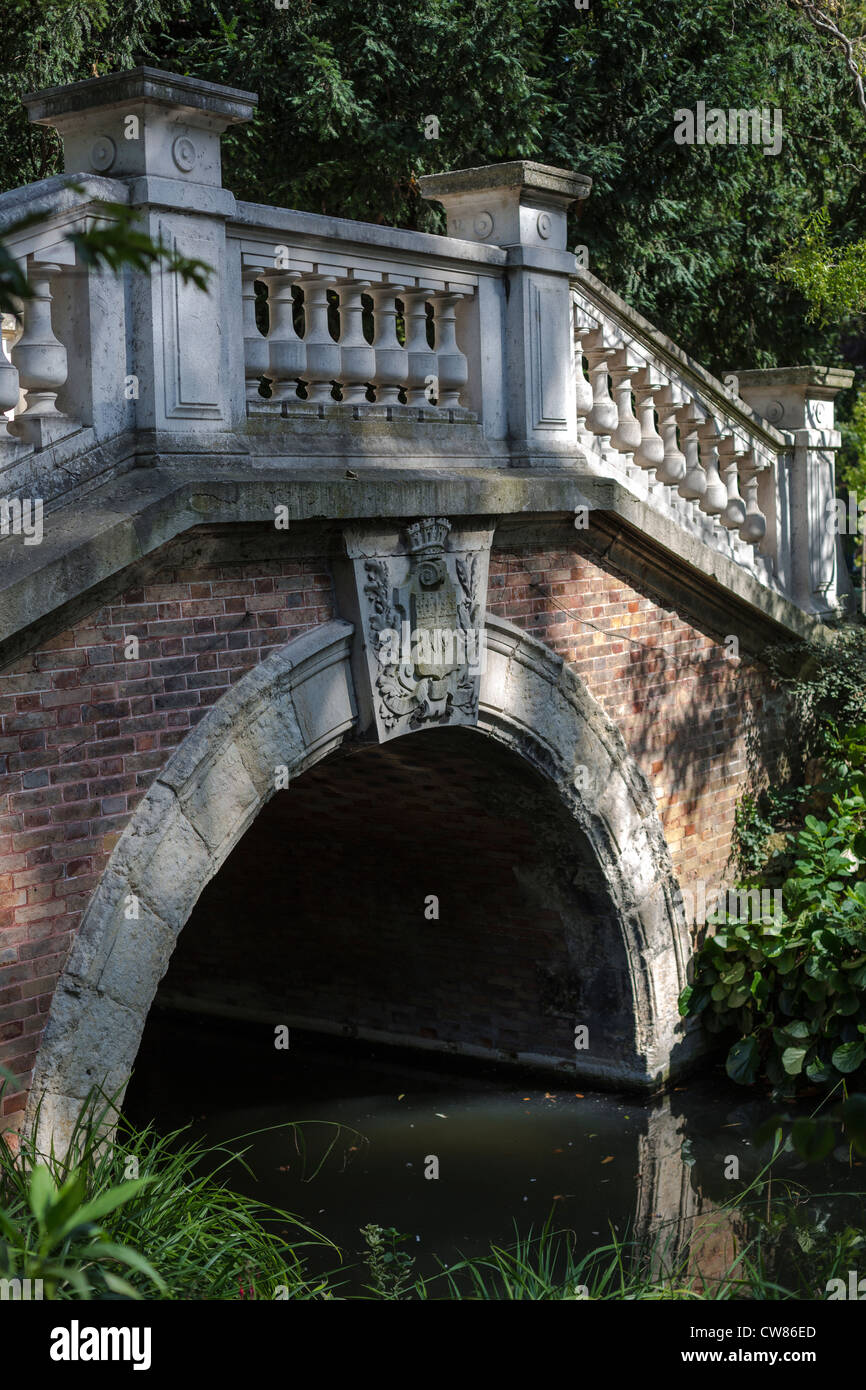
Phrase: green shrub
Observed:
(794, 988)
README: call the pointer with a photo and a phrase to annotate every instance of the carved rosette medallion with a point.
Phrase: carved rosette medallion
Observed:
(423, 613)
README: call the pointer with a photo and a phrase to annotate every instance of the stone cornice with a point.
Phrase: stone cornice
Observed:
(97, 549)
(177, 90)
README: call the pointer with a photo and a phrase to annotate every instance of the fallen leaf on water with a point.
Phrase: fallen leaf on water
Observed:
(609, 1159)
(527, 1097)
(548, 1096)
(557, 1151)
(579, 1095)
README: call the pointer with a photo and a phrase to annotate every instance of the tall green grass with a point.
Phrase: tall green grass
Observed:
(189, 1235)
(130, 1213)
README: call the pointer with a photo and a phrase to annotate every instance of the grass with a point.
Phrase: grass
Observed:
(130, 1213)
(201, 1239)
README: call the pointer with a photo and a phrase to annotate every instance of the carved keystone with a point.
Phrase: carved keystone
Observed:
(420, 597)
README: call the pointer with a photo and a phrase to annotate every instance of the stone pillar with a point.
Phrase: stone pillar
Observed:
(799, 402)
(521, 206)
(159, 133)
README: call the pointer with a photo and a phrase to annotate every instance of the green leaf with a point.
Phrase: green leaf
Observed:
(793, 1058)
(786, 962)
(102, 1205)
(106, 1249)
(813, 1139)
(818, 1071)
(742, 1061)
(120, 1286)
(41, 1193)
(736, 973)
(849, 1057)
(798, 1029)
(69, 1199)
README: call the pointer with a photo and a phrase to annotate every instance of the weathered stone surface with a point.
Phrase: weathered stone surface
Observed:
(323, 703)
(172, 869)
(218, 800)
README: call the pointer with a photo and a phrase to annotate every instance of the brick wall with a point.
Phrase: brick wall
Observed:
(84, 732)
(319, 915)
(686, 710)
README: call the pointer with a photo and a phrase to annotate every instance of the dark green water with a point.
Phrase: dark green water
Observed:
(508, 1151)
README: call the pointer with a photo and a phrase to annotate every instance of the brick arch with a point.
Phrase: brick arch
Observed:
(294, 709)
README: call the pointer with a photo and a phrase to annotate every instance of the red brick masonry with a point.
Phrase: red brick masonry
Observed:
(84, 729)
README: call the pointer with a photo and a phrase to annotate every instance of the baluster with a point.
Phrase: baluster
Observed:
(323, 353)
(287, 352)
(602, 419)
(423, 381)
(256, 353)
(583, 325)
(392, 361)
(754, 527)
(627, 435)
(731, 447)
(694, 484)
(715, 497)
(651, 450)
(41, 363)
(452, 369)
(10, 390)
(357, 357)
(672, 469)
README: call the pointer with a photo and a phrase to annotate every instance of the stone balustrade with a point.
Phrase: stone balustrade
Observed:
(353, 339)
(712, 455)
(322, 338)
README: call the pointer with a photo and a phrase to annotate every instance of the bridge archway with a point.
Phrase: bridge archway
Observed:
(290, 712)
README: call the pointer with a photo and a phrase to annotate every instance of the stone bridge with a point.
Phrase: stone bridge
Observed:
(380, 627)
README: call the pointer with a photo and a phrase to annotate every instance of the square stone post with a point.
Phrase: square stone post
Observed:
(799, 402)
(159, 133)
(521, 206)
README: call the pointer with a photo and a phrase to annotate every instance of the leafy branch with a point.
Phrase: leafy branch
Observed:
(853, 49)
(832, 279)
(114, 241)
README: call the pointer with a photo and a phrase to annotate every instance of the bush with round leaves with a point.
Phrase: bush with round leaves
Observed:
(793, 989)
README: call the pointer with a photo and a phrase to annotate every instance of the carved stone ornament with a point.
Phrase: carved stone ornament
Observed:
(422, 605)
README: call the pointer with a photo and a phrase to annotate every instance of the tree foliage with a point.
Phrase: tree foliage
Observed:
(688, 234)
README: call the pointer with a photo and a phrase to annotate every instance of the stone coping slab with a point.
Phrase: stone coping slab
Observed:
(128, 520)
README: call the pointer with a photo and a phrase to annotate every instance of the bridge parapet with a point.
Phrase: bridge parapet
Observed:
(321, 341)
(745, 464)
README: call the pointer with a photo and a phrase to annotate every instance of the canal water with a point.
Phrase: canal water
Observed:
(509, 1152)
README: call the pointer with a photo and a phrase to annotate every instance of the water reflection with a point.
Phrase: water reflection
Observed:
(509, 1153)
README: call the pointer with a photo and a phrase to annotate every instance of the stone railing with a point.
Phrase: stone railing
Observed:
(53, 377)
(755, 486)
(322, 338)
(334, 326)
